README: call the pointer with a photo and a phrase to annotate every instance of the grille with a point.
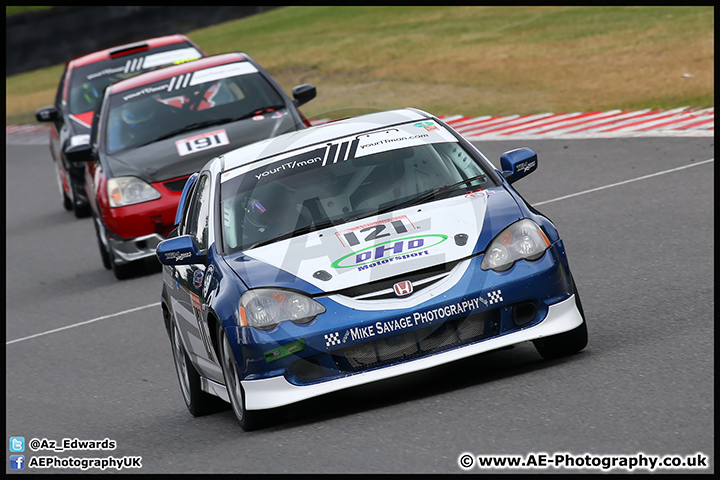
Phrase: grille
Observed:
(176, 185)
(383, 288)
(419, 342)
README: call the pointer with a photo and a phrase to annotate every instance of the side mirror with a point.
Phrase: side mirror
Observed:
(303, 93)
(182, 250)
(518, 163)
(46, 114)
(77, 148)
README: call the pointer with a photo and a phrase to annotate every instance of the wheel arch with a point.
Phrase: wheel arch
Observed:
(165, 309)
(214, 326)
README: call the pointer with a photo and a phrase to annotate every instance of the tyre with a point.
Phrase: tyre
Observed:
(121, 271)
(82, 209)
(198, 402)
(104, 254)
(125, 270)
(248, 419)
(67, 202)
(566, 343)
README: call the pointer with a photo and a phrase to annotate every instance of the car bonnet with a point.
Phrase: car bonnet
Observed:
(169, 158)
(405, 240)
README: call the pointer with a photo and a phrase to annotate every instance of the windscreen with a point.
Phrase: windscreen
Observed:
(214, 95)
(87, 82)
(344, 180)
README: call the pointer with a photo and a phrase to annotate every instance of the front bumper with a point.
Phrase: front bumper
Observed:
(130, 250)
(134, 231)
(278, 391)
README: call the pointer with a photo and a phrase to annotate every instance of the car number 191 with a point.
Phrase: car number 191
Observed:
(202, 142)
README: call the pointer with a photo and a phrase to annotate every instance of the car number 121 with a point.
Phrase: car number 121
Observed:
(201, 142)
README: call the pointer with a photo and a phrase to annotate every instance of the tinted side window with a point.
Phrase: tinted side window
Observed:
(59, 93)
(199, 214)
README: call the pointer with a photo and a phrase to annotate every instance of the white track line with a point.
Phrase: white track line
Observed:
(86, 322)
(622, 183)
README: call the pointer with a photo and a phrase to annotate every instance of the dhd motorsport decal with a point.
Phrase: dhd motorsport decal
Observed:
(463, 307)
(385, 252)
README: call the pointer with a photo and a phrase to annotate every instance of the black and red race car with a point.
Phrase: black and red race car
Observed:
(152, 131)
(80, 88)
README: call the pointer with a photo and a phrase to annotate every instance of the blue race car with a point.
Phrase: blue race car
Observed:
(352, 252)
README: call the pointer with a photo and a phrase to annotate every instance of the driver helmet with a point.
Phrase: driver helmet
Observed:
(89, 93)
(138, 112)
(267, 206)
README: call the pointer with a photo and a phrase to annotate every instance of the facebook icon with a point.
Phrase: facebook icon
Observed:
(17, 462)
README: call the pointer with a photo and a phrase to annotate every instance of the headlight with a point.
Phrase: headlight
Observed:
(124, 191)
(521, 240)
(264, 308)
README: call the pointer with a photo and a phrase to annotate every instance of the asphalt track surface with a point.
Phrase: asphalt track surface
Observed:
(87, 356)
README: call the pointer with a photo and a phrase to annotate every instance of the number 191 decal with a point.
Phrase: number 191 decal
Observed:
(201, 142)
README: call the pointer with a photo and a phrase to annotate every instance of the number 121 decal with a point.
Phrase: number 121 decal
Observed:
(201, 142)
(369, 232)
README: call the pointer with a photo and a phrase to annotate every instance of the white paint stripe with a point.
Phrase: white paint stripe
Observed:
(469, 121)
(623, 182)
(451, 118)
(501, 123)
(86, 322)
(683, 118)
(707, 123)
(80, 121)
(549, 122)
(519, 122)
(491, 121)
(575, 123)
(178, 85)
(325, 158)
(601, 120)
(630, 125)
(678, 123)
(635, 117)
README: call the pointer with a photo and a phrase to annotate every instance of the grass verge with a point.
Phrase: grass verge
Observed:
(462, 60)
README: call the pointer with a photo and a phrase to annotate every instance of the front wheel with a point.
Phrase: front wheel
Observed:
(121, 271)
(81, 210)
(566, 343)
(67, 202)
(197, 401)
(248, 419)
(104, 254)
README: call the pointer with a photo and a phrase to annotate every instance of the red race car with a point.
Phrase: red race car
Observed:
(152, 131)
(81, 85)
